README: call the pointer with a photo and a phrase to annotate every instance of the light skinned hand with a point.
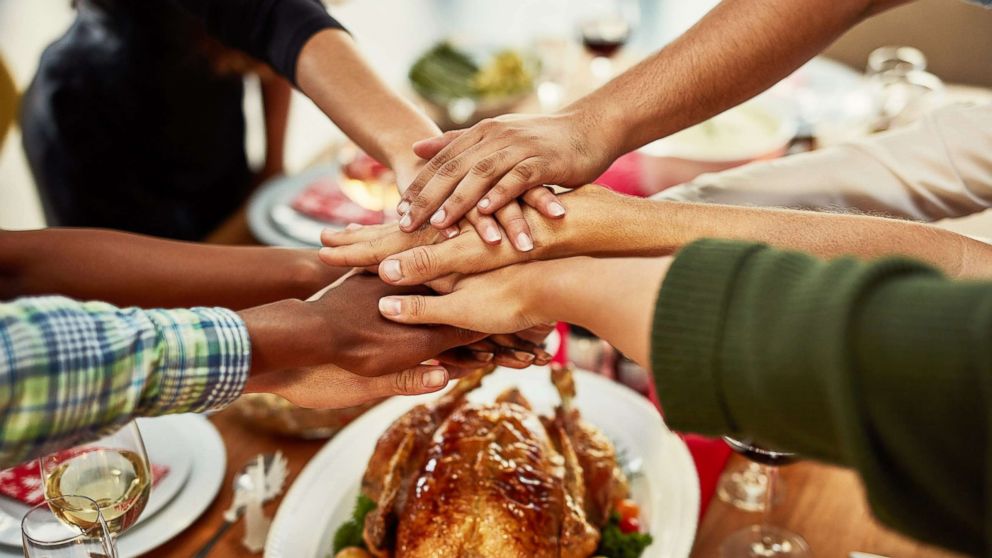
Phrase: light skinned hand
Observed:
(331, 387)
(426, 254)
(501, 301)
(492, 163)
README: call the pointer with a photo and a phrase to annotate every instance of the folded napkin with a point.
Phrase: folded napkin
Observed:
(24, 483)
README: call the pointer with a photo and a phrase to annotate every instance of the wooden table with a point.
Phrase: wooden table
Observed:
(825, 504)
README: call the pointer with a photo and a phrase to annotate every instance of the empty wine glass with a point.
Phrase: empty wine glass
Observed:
(764, 540)
(904, 88)
(112, 471)
(604, 27)
(66, 527)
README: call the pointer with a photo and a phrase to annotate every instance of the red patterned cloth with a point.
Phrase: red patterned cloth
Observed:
(323, 200)
(23, 483)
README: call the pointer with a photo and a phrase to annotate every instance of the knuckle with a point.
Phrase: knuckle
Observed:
(457, 199)
(501, 191)
(485, 168)
(420, 201)
(525, 171)
(438, 161)
(449, 169)
(424, 261)
(404, 382)
(415, 306)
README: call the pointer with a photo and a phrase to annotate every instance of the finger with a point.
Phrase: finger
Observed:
(426, 174)
(462, 255)
(479, 178)
(427, 205)
(466, 358)
(428, 148)
(514, 359)
(486, 226)
(545, 202)
(526, 174)
(351, 235)
(415, 381)
(420, 309)
(511, 218)
(512, 341)
(369, 248)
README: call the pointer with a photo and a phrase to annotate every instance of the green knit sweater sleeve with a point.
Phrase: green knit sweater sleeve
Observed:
(885, 367)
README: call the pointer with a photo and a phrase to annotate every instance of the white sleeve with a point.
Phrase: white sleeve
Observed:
(938, 168)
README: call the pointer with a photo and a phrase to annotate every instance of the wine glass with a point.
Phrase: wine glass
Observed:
(604, 27)
(66, 527)
(112, 471)
(764, 540)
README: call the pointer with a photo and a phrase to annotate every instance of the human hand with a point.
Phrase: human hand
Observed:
(499, 159)
(424, 255)
(502, 301)
(331, 387)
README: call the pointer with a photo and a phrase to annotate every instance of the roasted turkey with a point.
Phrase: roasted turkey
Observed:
(458, 479)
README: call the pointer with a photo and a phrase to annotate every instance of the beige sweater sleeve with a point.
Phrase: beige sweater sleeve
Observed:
(938, 168)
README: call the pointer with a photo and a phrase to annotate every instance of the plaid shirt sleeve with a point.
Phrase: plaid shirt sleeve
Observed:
(70, 370)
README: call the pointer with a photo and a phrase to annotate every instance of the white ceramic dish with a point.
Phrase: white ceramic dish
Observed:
(192, 436)
(322, 496)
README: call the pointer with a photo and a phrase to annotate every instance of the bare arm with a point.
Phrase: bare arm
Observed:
(276, 95)
(128, 269)
(737, 50)
(603, 223)
(332, 72)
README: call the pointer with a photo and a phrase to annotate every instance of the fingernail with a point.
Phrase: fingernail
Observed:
(389, 306)
(434, 378)
(391, 269)
(437, 217)
(484, 357)
(556, 209)
(491, 234)
(521, 355)
(403, 207)
(405, 220)
(524, 243)
(451, 232)
(484, 203)
(353, 227)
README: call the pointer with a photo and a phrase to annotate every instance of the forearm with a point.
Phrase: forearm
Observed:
(654, 228)
(862, 364)
(127, 269)
(333, 73)
(616, 306)
(739, 49)
(938, 168)
(75, 369)
(276, 94)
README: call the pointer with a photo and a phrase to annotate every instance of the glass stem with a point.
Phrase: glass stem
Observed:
(771, 474)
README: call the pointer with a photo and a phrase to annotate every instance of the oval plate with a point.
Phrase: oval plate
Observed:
(667, 488)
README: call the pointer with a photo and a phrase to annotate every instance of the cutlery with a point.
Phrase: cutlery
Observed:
(243, 485)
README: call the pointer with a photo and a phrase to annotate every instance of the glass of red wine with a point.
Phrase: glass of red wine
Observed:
(604, 27)
(764, 540)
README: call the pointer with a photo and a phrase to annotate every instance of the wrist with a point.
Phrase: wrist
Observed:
(601, 125)
(285, 334)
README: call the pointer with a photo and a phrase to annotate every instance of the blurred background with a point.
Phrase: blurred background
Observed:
(393, 34)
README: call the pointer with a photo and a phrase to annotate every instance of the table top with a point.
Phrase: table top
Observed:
(825, 504)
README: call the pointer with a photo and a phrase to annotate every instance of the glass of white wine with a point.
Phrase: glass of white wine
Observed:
(112, 471)
(45, 534)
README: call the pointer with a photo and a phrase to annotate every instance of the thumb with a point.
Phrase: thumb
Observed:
(420, 309)
(428, 148)
(414, 381)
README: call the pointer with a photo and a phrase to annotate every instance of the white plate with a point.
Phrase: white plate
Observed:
(159, 437)
(272, 220)
(196, 437)
(322, 496)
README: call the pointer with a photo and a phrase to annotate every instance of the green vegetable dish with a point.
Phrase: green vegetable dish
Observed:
(446, 72)
(349, 534)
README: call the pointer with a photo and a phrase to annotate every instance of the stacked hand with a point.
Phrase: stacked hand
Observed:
(480, 173)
